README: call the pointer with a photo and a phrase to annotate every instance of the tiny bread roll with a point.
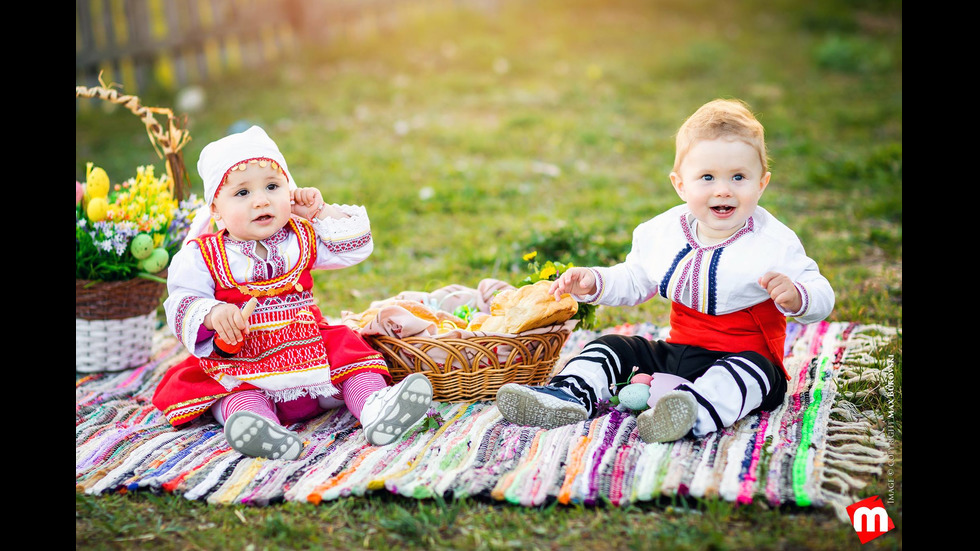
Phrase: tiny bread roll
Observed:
(365, 317)
(476, 321)
(502, 301)
(417, 309)
(494, 324)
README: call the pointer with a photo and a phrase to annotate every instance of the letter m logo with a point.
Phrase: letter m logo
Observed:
(869, 518)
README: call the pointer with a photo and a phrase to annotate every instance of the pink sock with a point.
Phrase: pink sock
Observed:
(247, 400)
(298, 410)
(356, 390)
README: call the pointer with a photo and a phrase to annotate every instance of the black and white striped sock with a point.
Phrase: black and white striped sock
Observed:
(589, 375)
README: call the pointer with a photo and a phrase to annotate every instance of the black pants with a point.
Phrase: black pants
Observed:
(728, 386)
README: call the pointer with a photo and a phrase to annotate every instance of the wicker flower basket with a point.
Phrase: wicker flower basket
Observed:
(474, 367)
(114, 323)
(115, 320)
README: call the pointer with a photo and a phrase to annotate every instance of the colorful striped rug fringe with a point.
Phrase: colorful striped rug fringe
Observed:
(816, 450)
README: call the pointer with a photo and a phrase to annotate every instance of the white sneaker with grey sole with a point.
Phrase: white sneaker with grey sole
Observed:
(255, 436)
(389, 412)
(670, 419)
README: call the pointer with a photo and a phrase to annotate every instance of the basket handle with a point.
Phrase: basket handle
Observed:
(167, 140)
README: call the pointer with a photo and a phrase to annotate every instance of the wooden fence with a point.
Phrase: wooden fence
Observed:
(173, 43)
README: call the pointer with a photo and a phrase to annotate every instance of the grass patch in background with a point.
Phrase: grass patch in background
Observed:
(473, 137)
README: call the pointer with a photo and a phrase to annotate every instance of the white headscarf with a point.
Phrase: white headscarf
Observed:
(220, 156)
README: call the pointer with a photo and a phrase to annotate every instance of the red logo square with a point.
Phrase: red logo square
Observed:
(869, 518)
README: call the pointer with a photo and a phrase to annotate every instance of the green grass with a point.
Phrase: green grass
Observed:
(473, 137)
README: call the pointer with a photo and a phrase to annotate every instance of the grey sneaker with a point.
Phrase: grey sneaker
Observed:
(671, 419)
(539, 406)
(255, 436)
(390, 411)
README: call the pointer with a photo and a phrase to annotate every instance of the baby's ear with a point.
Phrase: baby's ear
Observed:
(675, 180)
(764, 182)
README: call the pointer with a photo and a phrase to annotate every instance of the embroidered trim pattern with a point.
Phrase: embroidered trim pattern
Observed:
(348, 245)
(216, 257)
(692, 260)
(275, 259)
(241, 165)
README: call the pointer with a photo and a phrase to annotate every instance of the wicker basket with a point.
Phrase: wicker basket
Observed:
(115, 320)
(473, 369)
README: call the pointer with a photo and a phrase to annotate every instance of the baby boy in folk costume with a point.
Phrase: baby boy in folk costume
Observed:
(732, 272)
(260, 371)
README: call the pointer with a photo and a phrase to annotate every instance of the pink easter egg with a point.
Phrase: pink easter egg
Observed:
(641, 379)
(79, 192)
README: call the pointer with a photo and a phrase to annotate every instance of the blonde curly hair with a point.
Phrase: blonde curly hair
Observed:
(721, 118)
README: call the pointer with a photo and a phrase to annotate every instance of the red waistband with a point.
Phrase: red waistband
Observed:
(760, 328)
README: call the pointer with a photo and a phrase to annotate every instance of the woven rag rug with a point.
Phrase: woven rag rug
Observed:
(811, 451)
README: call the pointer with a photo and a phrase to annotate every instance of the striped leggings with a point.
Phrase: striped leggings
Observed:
(727, 386)
(354, 391)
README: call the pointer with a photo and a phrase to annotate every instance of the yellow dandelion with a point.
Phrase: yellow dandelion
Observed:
(547, 272)
(530, 256)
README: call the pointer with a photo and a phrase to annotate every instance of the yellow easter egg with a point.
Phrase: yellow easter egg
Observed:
(97, 209)
(97, 183)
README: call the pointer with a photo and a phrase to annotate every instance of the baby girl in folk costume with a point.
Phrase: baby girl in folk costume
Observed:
(283, 363)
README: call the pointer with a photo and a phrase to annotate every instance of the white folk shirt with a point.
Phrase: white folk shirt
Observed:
(667, 259)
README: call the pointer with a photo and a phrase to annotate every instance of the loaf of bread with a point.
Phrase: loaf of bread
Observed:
(512, 311)
(528, 307)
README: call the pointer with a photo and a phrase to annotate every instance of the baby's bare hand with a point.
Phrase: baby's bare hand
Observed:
(307, 202)
(228, 322)
(575, 281)
(782, 291)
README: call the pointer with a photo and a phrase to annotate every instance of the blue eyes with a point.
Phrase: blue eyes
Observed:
(709, 178)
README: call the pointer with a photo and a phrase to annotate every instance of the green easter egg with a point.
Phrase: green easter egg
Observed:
(142, 246)
(156, 262)
(634, 396)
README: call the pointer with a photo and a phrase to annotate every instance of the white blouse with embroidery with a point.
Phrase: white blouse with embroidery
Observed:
(341, 242)
(668, 260)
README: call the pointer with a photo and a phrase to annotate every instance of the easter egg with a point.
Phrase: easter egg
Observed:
(97, 183)
(97, 209)
(641, 379)
(156, 262)
(663, 383)
(634, 396)
(142, 246)
(79, 192)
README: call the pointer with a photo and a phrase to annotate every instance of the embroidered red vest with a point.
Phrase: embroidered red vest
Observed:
(284, 350)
